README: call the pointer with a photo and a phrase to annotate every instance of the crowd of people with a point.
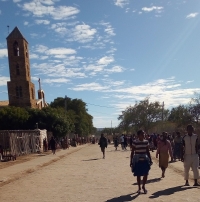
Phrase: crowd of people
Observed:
(185, 148)
(64, 143)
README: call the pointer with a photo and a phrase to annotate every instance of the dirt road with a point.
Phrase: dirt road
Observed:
(85, 176)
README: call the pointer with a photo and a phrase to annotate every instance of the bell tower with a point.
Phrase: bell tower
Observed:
(21, 91)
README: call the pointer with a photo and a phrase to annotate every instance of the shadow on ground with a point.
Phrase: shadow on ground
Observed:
(91, 159)
(151, 181)
(124, 198)
(169, 191)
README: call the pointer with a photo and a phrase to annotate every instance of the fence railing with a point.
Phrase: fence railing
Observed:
(20, 142)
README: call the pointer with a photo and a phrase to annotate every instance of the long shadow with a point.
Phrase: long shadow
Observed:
(150, 181)
(92, 159)
(170, 191)
(124, 198)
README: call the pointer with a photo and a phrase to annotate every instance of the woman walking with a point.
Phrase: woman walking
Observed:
(163, 151)
(140, 160)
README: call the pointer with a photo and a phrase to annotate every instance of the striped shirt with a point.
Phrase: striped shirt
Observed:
(140, 146)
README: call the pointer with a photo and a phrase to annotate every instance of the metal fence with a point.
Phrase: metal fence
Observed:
(20, 142)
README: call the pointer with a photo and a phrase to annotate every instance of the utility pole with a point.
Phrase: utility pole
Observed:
(163, 114)
(111, 127)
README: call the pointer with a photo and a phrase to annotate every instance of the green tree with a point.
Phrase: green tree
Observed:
(13, 118)
(180, 115)
(144, 114)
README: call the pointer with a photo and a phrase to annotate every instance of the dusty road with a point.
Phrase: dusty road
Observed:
(85, 176)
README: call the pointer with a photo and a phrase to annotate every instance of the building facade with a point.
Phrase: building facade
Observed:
(21, 91)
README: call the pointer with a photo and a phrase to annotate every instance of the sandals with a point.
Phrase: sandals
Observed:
(139, 191)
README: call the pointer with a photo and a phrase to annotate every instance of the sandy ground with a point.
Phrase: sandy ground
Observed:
(85, 176)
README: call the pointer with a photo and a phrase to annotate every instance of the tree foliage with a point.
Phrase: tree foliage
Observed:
(54, 118)
(144, 114)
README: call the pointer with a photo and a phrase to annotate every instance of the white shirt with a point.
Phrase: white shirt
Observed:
(190, 143)
(122, 138)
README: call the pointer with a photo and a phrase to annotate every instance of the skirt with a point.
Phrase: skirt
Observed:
(163, 159)
(141, 168)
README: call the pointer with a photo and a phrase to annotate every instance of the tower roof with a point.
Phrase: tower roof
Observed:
(15, 34)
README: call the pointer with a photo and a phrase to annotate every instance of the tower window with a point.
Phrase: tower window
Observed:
(16, 48)
(20, 92)
(17, 69)
(17, 92)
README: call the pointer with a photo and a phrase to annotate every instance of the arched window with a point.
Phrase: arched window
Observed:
(20, 92)
(17, 69)
(16, 48)
(17, 92)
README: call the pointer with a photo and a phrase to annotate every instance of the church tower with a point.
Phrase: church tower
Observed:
(21, 90)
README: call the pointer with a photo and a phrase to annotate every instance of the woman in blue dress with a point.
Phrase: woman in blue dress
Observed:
(140, 160)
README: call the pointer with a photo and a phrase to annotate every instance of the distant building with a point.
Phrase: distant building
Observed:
(21, 91)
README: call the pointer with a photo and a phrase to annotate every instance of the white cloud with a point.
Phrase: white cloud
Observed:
(34, 56)
(83, 33)
(26, 23)
(115, 69)
(39, 9)
(40, 48)
(157, 8)
(95, 68)
(3, 80)
(109, 29)
(3, 53)
(167, 90)
(60, 28)
(58, 80)
(60, 51)
(45, 22)
(192, 15)
(121, 3)
(58, 70)
(90, 86)
(105, 60)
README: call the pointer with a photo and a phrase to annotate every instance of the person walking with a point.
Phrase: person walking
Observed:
(140, 160)
(177, 146)
(122, 141)
(163, 151)
(52, 144)
(190, 155)
(116, 142)
(103, 144)
(125, 142)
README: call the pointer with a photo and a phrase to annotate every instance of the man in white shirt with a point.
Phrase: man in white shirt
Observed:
(190, 155)
(122, 141)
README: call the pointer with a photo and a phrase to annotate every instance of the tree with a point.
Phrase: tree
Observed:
(13, 118)
(76, 112)
(194, 108)
(180, 115)
(144, 114)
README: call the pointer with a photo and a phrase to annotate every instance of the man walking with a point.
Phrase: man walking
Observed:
(122, 141)
(103, 144)
(190, 155)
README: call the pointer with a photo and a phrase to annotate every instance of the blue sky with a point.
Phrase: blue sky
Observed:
(109, 53)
